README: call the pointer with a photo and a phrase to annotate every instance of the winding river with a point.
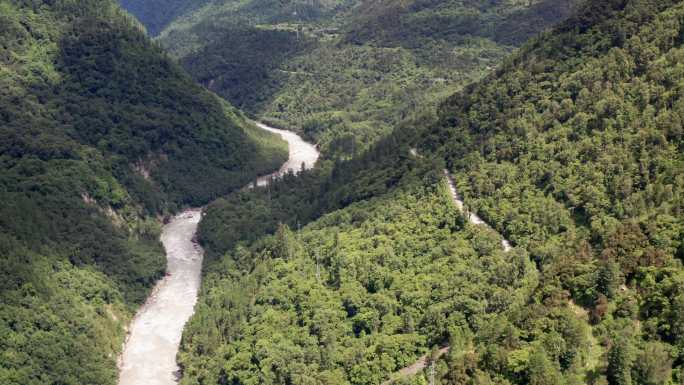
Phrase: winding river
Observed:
(149, 355)
(301, 152)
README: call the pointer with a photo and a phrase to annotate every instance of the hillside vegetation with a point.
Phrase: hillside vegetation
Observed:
(99, 133)
(352, 296)
(343, 73)
(572, 149)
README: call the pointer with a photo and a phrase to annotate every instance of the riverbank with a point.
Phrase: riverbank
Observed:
(149, 355)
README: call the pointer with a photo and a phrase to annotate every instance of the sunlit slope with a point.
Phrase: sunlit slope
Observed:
(573, 149)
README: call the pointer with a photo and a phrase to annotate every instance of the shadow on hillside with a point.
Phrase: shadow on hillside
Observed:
(241, 64)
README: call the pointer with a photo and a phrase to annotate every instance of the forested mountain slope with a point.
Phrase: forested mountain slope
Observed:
(355, 295)
(99, 133)
(345, 72)
(411, 23)
(572, 149)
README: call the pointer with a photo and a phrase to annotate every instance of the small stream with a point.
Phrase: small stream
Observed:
(149, 355)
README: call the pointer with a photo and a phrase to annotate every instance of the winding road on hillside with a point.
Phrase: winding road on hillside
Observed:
(474, 219)
(149, 355)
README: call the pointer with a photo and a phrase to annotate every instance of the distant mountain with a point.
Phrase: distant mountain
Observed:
(344, 73)
(99, 133)
(408, 23)
(157, 14)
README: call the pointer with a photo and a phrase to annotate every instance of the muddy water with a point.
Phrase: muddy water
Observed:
(149, 356)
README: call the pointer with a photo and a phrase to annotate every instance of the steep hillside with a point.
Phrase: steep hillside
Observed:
(345, 72)
(355, 295)
(572, 150)
(99, 133)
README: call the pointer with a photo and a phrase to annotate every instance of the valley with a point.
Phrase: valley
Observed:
(345, 73)
(443, 192)
(357, 282)
(154, 335)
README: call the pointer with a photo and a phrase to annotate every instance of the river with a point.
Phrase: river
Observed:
(149, 355)
(299, 152)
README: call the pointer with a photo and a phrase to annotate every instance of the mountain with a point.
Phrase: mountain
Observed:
(354, 295)
(571, 149)
(344, 73)
(100, 134)
(157, 14)
(411, 23)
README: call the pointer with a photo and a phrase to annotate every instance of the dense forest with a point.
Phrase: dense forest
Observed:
(344, 73)
(567, 143)
(355, 295)
(100, 133)
(572, 149)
